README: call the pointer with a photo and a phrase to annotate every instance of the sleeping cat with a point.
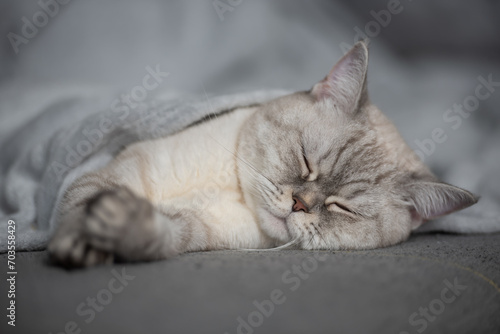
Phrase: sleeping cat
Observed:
(322, 169)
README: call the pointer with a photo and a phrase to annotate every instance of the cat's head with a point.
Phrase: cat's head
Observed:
(327, 168)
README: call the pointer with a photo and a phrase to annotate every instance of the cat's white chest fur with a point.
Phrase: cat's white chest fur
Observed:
(196, 169)
(200, 162)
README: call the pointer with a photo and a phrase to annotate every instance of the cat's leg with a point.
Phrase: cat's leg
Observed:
(133, 229)
(68, 245)
(106, 215)
(101, 221)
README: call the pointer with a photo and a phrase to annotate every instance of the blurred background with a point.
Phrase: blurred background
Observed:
(425, 56)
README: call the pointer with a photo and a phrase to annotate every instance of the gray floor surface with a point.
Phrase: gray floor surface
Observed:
(433, 283)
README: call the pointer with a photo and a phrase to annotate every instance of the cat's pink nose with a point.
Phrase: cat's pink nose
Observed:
(298, 205)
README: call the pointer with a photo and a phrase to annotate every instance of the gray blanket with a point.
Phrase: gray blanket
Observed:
(74, 131)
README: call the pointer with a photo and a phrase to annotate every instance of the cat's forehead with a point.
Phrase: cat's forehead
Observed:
(323, 126)
(302, 112)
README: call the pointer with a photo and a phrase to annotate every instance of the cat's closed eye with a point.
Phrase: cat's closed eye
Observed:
(341, 207)
(338, 206)
(307, 170)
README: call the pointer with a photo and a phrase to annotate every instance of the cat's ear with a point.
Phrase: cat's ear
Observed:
(346, 82)
(430, 200)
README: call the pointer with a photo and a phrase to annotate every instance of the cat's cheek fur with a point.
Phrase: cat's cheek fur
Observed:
(301, 230)
(396, 227)
(350, 236)
(273, 226)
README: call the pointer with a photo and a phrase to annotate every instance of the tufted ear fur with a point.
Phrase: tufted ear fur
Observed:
(346, 82)
(430, 200)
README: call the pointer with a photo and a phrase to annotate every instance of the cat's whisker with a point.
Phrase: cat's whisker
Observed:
(257, 177)
(267, 197)
(214, 115)
(276, 196)
(289, 244)
(248, 164)
(319, 234)
(257, 182)
(252, 168)
(310, 240)
(253, 185)
(254, 190)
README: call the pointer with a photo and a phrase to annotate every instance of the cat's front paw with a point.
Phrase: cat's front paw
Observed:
(70, 249)
(114, 223)
(117, 220)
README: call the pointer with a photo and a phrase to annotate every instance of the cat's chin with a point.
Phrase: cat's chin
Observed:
(274, 226)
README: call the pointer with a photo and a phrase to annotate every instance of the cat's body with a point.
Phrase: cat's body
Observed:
(322, 169)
